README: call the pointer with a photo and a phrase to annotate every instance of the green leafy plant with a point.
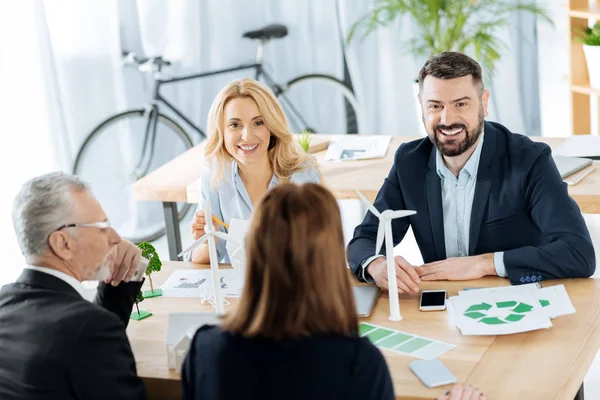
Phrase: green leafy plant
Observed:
(590, 36)
(154, 263)
(467, 26)
(304, 140)
(138, 300)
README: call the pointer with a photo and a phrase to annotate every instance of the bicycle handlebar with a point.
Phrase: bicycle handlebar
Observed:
(130, 58)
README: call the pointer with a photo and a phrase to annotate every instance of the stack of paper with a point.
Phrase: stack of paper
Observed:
(510, 309)
(356, 147)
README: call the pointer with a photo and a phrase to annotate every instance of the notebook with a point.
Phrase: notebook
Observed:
(570, 165)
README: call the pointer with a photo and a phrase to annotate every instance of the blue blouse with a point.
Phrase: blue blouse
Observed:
(231, 199)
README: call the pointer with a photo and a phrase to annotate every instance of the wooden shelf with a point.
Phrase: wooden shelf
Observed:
(592, 12)
(585, 90)
(580, 12)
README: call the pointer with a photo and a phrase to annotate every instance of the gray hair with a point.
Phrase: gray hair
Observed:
(42, 205)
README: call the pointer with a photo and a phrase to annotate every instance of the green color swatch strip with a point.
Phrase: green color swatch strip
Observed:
(394, 340)
(378, 334)
(413, 345)
(364, 328)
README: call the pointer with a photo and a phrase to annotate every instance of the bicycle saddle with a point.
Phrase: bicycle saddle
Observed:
(274, 31)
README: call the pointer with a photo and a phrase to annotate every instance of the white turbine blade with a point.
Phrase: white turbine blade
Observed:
(226, 237)
(401, 213)
(196, 243)
(209, 227)
(367, 203)
(380, 236)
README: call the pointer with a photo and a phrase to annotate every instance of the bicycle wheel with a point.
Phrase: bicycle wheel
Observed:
(107, 161)
(321, 103)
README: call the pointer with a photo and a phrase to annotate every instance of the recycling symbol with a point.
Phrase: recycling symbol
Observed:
(513, 312)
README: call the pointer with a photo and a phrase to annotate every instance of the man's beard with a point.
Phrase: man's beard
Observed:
(104, 270)
(451, 150)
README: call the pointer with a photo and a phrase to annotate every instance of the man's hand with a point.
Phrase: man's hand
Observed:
(458, 268)
(126, 262)
(407, 279)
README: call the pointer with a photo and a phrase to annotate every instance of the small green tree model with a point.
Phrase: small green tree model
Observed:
(154, 265)
(140, 314)
(138, 300)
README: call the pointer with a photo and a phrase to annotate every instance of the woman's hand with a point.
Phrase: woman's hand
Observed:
(462, 392)
(199, 223)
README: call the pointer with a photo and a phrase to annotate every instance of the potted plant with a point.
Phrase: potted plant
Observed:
(468, 26)
(590, 38)
(304, 140)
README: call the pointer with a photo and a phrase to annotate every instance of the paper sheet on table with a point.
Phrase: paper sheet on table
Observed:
(403, 342)
(512, 288)
(356, 147)
(238, 228)
(498, 313)
(198, 283)
(579, 146)
(554, 299)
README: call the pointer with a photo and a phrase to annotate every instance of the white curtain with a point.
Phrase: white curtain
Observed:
(65, 75)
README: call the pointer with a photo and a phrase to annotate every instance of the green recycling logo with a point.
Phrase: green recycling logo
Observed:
(516, 312)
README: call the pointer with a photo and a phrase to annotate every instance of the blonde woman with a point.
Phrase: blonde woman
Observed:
(249, 150)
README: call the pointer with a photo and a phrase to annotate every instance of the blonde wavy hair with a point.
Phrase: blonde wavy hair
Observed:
(285, 154)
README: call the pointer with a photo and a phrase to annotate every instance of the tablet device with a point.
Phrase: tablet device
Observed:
(365, 298)
(570, 165)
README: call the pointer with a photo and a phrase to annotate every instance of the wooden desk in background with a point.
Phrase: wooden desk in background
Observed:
(544, 364)
(177, 181)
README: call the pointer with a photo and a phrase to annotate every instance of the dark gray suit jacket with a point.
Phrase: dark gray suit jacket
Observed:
(56, 345)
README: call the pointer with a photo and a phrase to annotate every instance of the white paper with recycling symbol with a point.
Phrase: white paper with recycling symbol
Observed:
(235, 248)
(498, 313)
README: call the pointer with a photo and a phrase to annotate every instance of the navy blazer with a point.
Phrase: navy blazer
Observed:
(521, 207)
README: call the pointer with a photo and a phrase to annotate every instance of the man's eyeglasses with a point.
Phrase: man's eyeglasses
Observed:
(101, 225)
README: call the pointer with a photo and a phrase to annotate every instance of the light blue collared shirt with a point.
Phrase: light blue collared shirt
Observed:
(231, 199)
(457, 204)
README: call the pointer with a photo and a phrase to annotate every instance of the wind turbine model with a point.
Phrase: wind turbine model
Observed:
(210, 234)
(385, 228)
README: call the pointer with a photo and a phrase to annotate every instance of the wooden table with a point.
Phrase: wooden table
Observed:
(544, 364)
(177, 181)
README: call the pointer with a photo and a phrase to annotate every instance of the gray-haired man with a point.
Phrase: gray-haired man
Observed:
(55, 344)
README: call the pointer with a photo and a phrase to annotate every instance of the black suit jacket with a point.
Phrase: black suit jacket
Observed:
(521, 207)
(56, 345)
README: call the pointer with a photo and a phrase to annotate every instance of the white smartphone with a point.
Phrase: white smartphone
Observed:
(433, 300)
(432, 372)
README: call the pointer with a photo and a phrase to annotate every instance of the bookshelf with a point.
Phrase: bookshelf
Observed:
(580, 11)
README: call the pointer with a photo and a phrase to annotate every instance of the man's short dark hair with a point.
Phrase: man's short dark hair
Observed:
(451, 65)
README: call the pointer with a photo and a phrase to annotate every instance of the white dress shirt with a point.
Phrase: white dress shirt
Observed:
(74, 283)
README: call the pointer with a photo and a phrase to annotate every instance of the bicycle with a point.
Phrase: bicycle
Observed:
(156, 126)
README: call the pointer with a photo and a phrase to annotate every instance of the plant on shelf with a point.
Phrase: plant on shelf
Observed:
(304, 140)
(154, 265)
(140, 314)
(468, 26)
(590, 38)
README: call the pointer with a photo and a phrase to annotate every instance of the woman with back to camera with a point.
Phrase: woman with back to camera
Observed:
(249, 150)
(294, 333)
